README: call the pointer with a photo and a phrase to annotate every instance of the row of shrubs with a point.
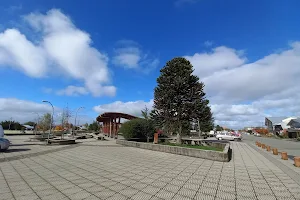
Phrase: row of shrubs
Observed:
(138, 128)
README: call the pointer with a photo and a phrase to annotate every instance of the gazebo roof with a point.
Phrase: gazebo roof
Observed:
(110, 115)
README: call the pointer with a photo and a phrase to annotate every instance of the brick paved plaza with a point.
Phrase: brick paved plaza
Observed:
(104, 170)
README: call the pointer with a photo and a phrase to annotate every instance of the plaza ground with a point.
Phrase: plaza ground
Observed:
(104, 170)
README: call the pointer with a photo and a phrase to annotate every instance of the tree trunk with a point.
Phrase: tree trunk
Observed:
(178, 139)
(147, 139)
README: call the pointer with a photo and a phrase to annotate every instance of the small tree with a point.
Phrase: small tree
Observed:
(94, 126)
(137, 128)
(145, 113)
(219, 128)
(45, 122)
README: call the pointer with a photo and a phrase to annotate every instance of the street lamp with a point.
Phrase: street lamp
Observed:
(76, 118)
(44, 101)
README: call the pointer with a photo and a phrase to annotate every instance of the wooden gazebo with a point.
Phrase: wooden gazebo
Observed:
(112, 122)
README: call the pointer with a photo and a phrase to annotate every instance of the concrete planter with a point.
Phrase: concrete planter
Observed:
(222, 156)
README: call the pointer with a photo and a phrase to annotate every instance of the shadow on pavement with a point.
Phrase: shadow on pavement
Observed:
(19, 145)
(291, 157)
(15, 150)
(229, 154)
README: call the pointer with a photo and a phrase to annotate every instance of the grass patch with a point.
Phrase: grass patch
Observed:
(194, 146)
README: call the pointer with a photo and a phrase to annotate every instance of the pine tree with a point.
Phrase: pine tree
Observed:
(179, 96)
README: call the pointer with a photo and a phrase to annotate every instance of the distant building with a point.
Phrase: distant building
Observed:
(27, 127)
(274, 123)
(280, 125)
(82, 127)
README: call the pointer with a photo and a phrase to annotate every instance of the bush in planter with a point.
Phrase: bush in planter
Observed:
(137, 128)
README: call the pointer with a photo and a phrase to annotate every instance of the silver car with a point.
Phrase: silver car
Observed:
(4, 143)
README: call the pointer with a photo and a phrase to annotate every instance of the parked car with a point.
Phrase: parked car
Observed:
(228, 136)
(4, 143)
(1, 131)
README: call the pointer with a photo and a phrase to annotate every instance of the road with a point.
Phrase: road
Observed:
(291, 147)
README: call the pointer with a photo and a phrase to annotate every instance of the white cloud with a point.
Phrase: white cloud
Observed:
(128, 57)
(220, 58)
(130, 107)
(63, 49)
(268, 85)
(248, 82)
(21, 110)
(73, 91)
(18, 52)
(24, 111)
(208, 43)
(129, 54)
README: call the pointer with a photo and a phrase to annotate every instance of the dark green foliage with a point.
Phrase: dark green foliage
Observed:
(12, 125)
(219, 128)
(137, 128)
(94, 126)
(179, 98)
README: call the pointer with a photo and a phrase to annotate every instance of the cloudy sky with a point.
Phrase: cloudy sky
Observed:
(106, 55)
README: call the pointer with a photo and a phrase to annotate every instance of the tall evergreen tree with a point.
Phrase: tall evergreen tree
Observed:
(179, 96)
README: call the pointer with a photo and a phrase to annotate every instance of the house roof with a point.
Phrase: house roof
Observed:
(111, 115)
(27, 126)
(297, 120)
(276, 120)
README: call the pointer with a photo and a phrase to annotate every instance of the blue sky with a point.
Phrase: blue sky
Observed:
(236, 47)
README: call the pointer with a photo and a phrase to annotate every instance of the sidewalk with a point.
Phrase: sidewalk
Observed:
(104, 170)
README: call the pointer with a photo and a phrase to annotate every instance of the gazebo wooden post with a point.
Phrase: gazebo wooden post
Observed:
(119, 123)
(115, 127)
(103, 128)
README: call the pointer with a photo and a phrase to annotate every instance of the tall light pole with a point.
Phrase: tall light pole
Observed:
(76, 117)
(44, 101)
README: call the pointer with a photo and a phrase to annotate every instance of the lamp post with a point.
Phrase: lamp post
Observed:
(51, 121)
(76, 118)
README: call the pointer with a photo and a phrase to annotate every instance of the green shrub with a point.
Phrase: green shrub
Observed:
(298, 138)
(137, 128)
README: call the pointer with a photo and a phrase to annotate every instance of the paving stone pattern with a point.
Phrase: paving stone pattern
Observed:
(93, 171)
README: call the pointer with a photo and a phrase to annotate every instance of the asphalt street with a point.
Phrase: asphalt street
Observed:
(291, 147)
